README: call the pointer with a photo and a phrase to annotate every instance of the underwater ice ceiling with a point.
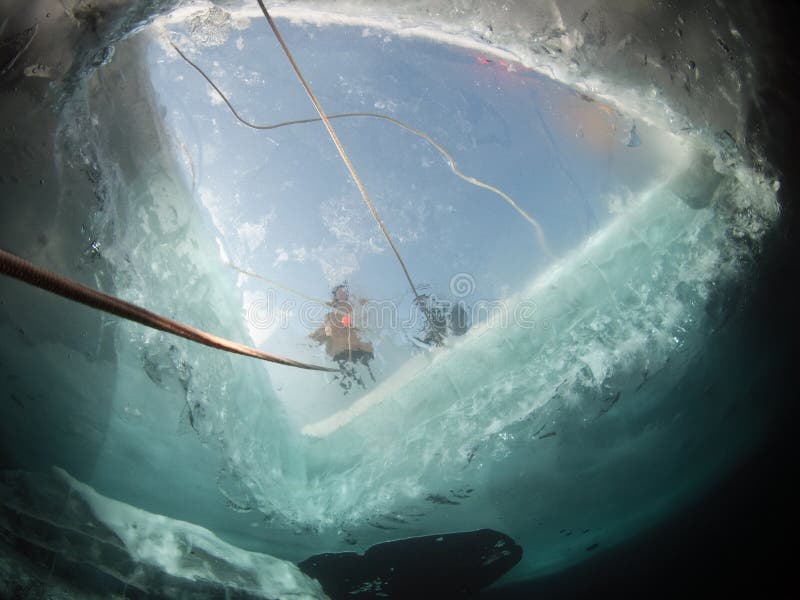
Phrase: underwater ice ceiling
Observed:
(577, 180)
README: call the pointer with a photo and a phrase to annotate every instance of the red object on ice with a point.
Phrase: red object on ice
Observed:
(346, 321)
(488, 61)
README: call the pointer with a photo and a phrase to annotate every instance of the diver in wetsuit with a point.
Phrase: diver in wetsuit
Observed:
(341, 339)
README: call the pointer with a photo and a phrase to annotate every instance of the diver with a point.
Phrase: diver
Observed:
(342, 342)
(441, 318)
(459, 319)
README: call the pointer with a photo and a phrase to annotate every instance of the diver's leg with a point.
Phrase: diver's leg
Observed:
(369, 370)
(365, 358)
(348, 375)
(344, 380)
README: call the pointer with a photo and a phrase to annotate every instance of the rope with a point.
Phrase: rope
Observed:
(339, 147)
(20, 269)
(285, 288)
(450, 160)
(349, 346)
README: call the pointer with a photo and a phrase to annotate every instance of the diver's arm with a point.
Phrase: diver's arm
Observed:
(318, 335)
(322, 332)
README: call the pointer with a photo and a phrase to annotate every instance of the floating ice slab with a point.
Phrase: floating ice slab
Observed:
(134, 548)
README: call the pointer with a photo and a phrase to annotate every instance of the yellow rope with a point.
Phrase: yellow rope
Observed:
(276, 284)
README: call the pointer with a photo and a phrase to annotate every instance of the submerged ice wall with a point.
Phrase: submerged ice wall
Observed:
(92, 191)
(114, 547)
(595, 403)
(565, 415)
(684, 65)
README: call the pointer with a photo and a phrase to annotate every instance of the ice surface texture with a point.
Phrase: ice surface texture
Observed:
(58, 517)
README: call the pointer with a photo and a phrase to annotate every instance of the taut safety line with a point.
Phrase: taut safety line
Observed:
(24, 271)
